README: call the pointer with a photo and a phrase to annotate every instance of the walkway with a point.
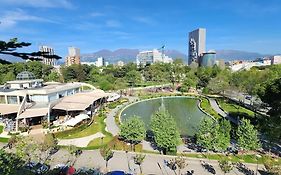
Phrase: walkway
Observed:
(216, 107)
(153, 163)
(111, 126)
(80, 142)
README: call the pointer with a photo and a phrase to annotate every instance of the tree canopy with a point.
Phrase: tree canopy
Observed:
(166, 134)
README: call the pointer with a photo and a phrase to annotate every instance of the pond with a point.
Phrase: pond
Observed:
(184, 110)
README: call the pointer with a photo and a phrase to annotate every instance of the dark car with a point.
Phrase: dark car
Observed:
(54, 150)
(78, 152)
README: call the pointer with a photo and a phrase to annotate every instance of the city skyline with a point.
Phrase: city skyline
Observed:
(91, 26)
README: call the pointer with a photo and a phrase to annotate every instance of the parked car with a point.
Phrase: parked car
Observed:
(78, 152)
(54, 150)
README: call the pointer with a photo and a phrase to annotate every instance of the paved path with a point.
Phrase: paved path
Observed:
(216, 107)
(153, 163)
(80, 142)
(111, 126)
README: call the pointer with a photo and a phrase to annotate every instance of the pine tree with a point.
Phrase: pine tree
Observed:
(247, 136)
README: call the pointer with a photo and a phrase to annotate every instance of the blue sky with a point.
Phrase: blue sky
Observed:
(249, 25)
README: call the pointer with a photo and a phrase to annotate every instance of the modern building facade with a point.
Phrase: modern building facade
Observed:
(276, 59)
(48, 51)
(73, 56)
(208, 59)
(100, 62)
(196, 45)
(28, 101)
(152, 56)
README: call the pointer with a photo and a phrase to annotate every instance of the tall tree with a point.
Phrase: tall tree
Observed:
(138, 159)
(207, 134)
(9, 48)
(107, 154)
(166, 134)
(225, 165)
(133, 130)
(223, 135)
(270, 93)
(247, 136)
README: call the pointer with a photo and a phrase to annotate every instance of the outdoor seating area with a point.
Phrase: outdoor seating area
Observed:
(9, 124)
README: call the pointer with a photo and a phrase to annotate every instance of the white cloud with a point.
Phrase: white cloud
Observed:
(113, 23)
(11, 18)
(144, 20)
(40, 3)
(97, 14)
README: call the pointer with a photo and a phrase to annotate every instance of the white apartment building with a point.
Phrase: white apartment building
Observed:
(49, 51)
(152, 56)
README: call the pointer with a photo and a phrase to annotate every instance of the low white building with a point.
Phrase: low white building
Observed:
(276, 59)
(152, 56)
(27, 101)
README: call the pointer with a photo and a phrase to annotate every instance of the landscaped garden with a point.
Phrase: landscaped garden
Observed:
(234, 109)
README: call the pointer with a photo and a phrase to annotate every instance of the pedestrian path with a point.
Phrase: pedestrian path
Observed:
(216, 107)
(111, 126)
(80, 142)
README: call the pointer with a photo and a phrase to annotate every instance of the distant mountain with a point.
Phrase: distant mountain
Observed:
(10, 58)
(126, 55)
(229, 55)
(129, 55)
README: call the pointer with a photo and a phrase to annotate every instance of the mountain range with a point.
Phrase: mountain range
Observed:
(129, 55)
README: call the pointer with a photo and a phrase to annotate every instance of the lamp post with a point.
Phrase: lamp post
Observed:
(257, 157)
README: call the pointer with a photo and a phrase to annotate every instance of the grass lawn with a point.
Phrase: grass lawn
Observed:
(234, 109)
(4, 140)
(1, 129)
(84, 131)
(206, 106)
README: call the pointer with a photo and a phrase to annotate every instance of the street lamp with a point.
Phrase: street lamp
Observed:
(257, 157)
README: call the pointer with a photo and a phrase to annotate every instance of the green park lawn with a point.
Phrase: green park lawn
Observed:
(83, 130)
(206, 106)
(232, 108)
(1, 129)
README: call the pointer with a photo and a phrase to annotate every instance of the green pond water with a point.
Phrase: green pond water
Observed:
(184, 109)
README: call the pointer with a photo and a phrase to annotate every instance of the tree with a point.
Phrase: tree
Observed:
(133, 130)
(133, 77)
(181, 163)
(9, 77)
(271, 94)
(53, 76)
(9, 163)
(272, 166)
(247, 136)
(225, 165)
(107, 154)
(72, 150)
(206, 135)
(166, 135)
(138, 159)
(9, 48)
(223, 136)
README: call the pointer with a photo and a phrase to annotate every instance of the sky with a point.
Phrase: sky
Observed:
(91, 25)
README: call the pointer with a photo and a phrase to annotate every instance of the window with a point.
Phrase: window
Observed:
(12, 99)
(2, 99)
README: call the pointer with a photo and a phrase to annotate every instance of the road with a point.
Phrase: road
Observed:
(153, 164)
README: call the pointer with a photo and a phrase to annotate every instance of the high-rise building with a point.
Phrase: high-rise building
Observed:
(152, 56)
(73, 56)
(196, 45)
(49, 51)
(100, 62)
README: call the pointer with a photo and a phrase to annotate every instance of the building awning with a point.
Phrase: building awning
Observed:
(37, 112)
(80, 101)
(74, 121)
(6, 109)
